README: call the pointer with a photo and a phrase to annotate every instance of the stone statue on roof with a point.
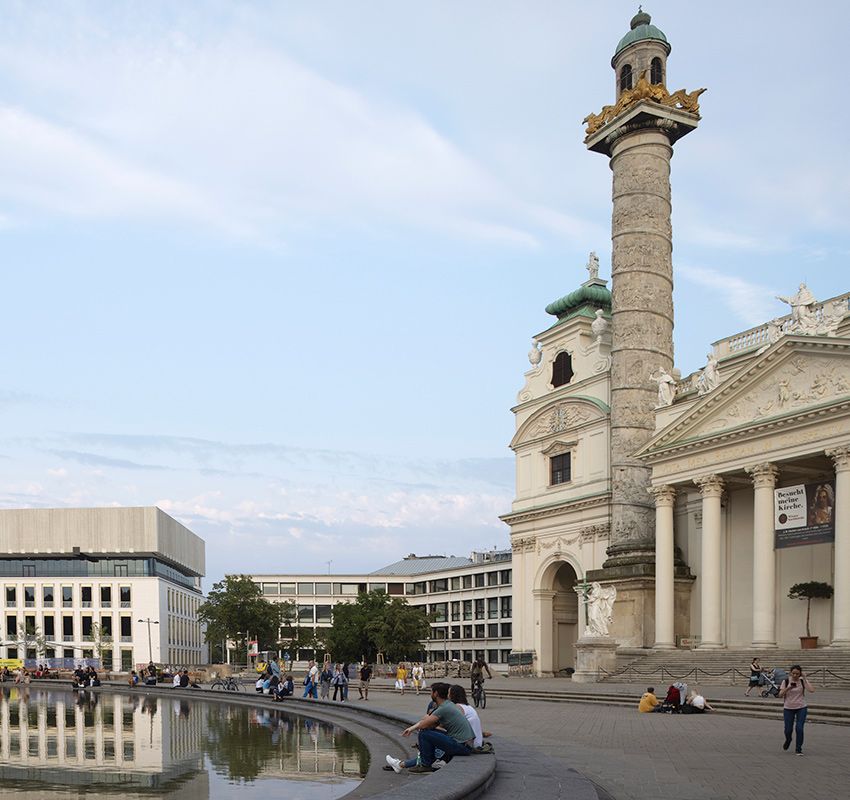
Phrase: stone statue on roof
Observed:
(593, 266)
(801, 307)
(666, 386)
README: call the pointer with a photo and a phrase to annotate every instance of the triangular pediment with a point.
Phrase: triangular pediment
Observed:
(797, 376)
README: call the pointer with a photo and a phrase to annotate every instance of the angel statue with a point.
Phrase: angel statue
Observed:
(600, 608)
(666, 386)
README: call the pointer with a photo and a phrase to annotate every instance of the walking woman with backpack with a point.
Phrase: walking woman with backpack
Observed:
(793, 690)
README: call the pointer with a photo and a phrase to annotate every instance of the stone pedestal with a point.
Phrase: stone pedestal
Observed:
(593, 653)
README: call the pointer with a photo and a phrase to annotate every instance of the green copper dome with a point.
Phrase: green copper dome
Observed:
(641, 29)
(592, 295)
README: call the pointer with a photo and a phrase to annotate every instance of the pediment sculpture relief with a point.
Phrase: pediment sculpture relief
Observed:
(800, 382)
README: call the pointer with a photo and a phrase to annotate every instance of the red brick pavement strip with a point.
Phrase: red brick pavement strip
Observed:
(636, 756)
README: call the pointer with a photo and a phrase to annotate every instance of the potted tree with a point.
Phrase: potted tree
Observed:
(811, 590)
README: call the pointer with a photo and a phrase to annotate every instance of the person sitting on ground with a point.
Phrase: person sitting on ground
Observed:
(175, 681)
(456, 738)
(649, 701)
(695, 703)
(258, 686)
(133, 680)
(457, 694)
(285, 688)
(184, 679)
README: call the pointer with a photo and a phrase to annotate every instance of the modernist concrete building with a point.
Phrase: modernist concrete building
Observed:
(471, 599)
(662, 488)
(83, 583)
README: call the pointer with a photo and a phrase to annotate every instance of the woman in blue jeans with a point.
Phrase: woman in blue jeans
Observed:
(793, 690)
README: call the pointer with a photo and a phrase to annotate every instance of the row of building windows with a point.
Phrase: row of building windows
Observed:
(105, 595)
(489, 631)
(180, 603)
(480, 608)
(95, 568)
(491, 656)
(328, 588)
(67, 627)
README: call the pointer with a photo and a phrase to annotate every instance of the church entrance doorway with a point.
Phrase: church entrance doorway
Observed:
(556, 618)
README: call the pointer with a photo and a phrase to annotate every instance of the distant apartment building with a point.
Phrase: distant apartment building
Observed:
(119, 584)
(470, 598)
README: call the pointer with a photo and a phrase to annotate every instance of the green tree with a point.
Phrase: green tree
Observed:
(102, 645)
(236, 608)
(811, 590)
(376, 624)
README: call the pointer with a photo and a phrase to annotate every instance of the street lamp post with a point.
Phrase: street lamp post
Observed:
(150, 622)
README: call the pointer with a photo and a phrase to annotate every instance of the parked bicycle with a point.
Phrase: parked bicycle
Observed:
(229, 684)
(479, 694)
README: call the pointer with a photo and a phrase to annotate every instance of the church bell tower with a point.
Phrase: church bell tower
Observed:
(637, 133)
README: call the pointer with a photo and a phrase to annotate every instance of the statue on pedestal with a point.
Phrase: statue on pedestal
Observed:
(600, 607)
(709, 378)
(593, 266)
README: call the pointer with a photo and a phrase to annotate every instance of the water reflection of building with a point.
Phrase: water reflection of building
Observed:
(83, 738)
(128, 746)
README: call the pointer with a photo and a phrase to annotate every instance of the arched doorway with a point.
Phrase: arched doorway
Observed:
(556, 618)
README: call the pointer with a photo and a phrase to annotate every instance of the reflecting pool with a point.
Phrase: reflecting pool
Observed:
(57, 743)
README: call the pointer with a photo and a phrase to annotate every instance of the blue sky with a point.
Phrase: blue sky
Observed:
(276, 266)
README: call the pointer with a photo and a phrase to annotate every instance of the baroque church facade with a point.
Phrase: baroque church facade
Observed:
(690, 505)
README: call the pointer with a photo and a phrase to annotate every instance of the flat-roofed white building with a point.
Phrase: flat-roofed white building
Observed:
(120, 584)
(471, 599)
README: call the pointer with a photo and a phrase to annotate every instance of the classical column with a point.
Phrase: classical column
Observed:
(711, 489)
(543, 622)
(841, 578)
(764, 559)
(665, 497)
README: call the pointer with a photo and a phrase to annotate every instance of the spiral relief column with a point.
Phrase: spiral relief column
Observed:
(637, 134)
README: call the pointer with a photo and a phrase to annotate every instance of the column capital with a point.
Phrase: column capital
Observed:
(710, 485)
(840, 457)
(664, 495)
(764, 475)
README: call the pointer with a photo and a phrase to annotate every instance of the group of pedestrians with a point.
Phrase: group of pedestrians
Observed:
(319, 682)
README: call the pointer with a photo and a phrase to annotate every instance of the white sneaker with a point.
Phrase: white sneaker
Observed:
(395, 763)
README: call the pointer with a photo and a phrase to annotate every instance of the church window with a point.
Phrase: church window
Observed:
(560, 468)
(626, 77)
(562, 369)
(656, 73)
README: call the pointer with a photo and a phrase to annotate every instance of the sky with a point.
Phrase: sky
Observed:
(275, 267)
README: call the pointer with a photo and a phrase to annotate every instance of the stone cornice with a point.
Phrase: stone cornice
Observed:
(553, 510)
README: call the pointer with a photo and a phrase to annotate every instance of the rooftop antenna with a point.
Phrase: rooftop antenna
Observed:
(329, 565)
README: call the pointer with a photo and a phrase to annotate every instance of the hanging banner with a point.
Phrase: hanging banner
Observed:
(804, 514)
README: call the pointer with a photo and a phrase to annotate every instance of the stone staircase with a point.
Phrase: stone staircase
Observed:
(827, 667)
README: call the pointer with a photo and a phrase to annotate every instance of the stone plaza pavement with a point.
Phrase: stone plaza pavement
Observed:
(633, 756)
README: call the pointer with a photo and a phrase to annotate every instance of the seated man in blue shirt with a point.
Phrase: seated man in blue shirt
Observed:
(455, 739)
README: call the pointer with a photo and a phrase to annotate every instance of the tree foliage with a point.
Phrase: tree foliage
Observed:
(808, 591)
(376, 623)
(236, 608)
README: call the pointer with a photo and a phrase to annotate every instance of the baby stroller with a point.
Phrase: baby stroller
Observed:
(773, 680)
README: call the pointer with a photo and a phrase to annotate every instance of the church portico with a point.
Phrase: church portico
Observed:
(724, 524)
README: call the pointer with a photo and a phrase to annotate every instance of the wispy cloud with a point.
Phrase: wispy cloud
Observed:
(752, 303)
(95, 460)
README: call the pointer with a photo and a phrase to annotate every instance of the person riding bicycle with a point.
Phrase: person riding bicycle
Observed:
(476, 675)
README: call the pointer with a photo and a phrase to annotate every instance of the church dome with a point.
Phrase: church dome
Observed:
(642, 29)
(592, 296)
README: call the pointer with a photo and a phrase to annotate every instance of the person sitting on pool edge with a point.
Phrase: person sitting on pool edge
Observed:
(456, 738)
